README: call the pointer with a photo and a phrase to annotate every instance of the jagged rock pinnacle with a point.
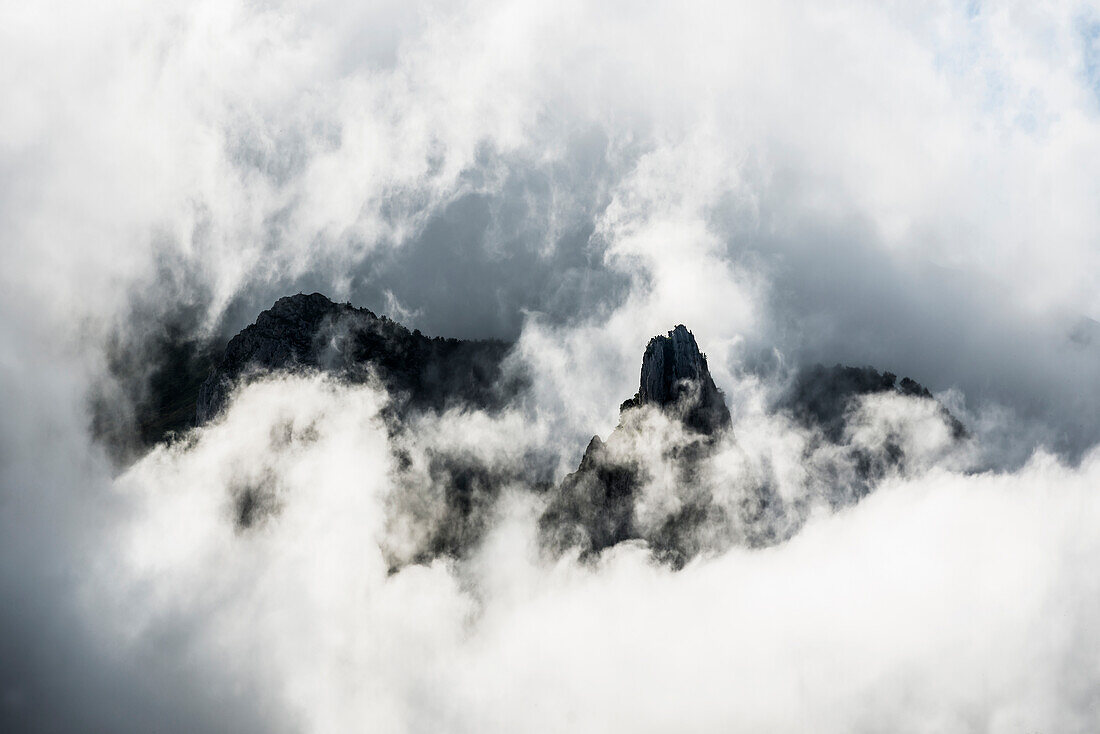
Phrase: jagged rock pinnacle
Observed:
(675, 375)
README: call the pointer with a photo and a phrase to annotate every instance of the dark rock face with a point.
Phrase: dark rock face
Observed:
(593, 508)
(596, 507)
(154, 377)
(189, 382)
(283, 336)
(822, 396)
(675, 375)
(311, 332)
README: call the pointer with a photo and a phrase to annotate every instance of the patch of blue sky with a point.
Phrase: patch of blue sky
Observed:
(1088, 31)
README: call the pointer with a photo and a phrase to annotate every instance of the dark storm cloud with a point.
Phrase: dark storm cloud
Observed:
(483, 261)
(60, 667)
(836, 297)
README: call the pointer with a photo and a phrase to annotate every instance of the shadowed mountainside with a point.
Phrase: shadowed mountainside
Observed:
(669, 431)
(596, 507)
(821, 395)
(310, 332)
(593, 508)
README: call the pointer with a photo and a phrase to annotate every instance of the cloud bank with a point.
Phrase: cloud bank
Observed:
(906, 187)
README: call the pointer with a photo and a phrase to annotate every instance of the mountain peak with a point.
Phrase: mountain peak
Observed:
(675, 375)
(312, 333)
(301, 302)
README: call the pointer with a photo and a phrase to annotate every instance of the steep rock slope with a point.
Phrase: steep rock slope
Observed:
(675, 376)
(305, 332)
(654, 479)
(594, 507)
(821, 396)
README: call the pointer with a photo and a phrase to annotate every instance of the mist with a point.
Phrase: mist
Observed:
(905, 187)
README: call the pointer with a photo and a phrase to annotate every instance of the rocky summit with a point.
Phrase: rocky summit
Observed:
(593, 508)
(310, 332)
(675, 376)
(597, 506)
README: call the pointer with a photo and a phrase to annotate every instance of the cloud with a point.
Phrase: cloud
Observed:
(944, 599)
(910, 187)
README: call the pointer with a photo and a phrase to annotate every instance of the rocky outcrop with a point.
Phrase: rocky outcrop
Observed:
(675, 376)
(310, 332)
(663, 450)
(593, 508)
(284, 336)
(821, 397)
(596, 507)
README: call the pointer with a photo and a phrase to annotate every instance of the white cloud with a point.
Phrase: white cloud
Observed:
(906, 185)
(943, 601)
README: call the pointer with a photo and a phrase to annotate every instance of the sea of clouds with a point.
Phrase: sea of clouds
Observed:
(908, 186)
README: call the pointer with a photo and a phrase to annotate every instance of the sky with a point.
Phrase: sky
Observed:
(909, 186)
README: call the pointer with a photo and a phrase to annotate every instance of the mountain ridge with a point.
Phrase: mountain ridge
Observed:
(304, 332)
(596, 506)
